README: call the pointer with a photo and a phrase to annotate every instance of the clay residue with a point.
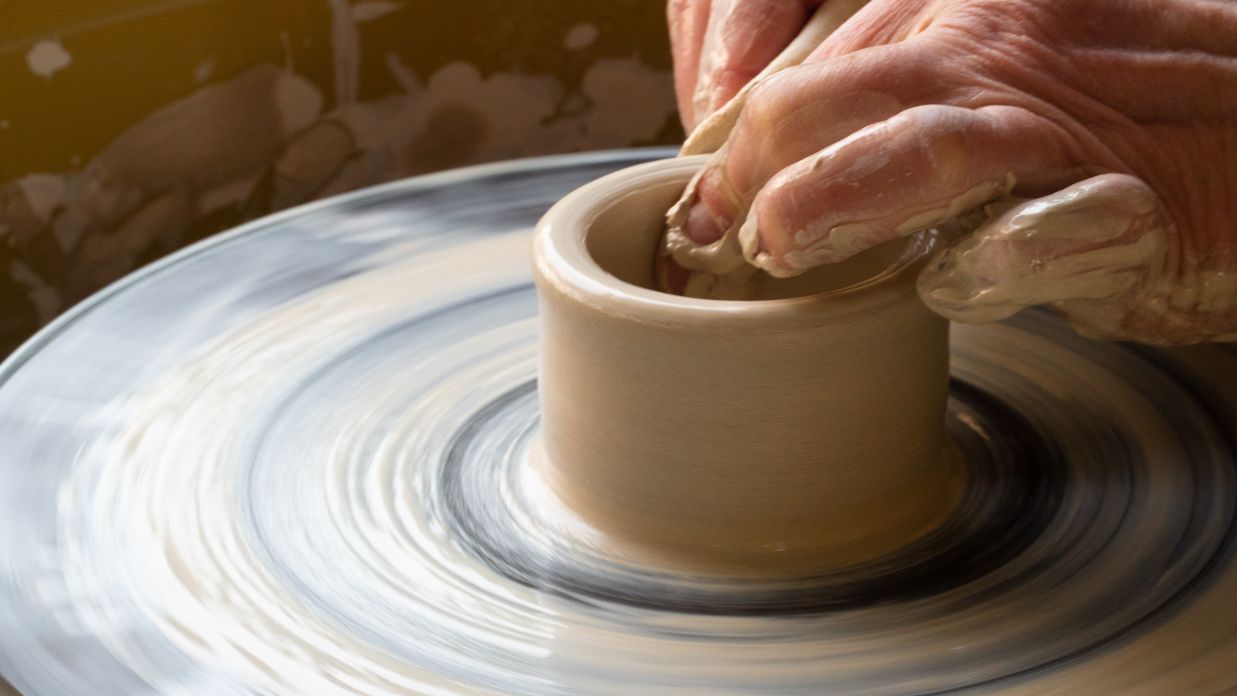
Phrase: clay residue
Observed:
(47, 57)
(268, 138)
(580, 36)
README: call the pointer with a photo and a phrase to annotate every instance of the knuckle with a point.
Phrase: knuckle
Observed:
(930, 126)
(774, 98)
(768, 99)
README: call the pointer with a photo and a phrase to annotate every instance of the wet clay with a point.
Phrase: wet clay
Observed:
(790, 434)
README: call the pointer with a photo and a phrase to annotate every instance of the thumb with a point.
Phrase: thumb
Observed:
(1090, 249)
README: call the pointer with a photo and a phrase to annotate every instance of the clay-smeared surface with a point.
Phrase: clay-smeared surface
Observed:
(312, 477)
(744, 435)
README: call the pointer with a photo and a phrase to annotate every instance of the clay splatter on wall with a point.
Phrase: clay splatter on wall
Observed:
(283, 108)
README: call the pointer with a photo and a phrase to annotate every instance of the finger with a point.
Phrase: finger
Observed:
(687, 20)
(789, 116)
(924, 166)
(713, 130)
(880, 22)
(1093, 246)
(743, 37)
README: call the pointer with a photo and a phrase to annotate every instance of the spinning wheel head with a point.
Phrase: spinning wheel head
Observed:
(305, 458)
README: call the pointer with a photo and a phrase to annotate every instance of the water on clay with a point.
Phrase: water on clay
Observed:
(294, 460)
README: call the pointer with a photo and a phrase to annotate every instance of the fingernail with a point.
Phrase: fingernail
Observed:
(702, 225)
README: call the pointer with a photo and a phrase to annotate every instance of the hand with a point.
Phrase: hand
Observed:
(1118, 118)
(720, 45)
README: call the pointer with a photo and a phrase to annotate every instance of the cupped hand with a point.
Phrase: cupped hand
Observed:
(1101, 135)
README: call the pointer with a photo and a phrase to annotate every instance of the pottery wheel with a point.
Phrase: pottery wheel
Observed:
(294, 460)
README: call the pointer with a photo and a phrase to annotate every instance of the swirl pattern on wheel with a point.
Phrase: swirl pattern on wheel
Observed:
(322, 480)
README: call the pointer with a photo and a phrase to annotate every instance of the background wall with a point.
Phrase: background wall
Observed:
(130, 128)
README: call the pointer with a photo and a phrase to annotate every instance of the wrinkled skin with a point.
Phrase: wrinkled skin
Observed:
(1117, 118)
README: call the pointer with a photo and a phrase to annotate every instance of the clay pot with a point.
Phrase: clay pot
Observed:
(791, 435)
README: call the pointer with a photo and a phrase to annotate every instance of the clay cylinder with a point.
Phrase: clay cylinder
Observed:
(802, 433)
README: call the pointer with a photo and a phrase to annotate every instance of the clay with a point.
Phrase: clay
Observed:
(46, 58)
(747, 435)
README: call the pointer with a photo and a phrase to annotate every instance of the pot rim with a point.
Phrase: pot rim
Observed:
(563, 266)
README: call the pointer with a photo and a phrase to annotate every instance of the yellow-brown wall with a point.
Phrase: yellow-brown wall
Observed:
(129, 128)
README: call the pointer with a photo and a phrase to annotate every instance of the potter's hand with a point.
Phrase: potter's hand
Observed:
(720, 45)
(1119, 115)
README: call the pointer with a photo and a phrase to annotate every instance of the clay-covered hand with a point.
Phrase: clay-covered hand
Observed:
(1100, 135)
(720, 45)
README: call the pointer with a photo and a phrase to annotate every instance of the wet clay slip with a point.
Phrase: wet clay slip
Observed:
(795, 433)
